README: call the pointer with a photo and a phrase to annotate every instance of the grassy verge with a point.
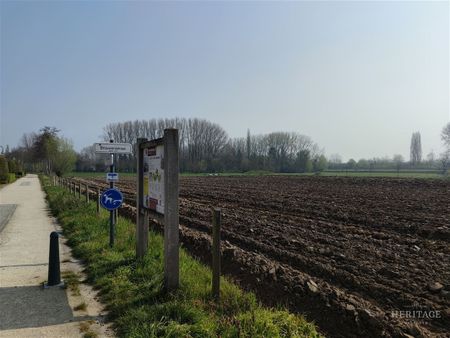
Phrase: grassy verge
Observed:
(133, 290)
(391, 174)
(331, 173)
(83, 174)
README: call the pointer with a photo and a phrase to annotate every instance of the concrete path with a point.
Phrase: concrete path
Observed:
(26, 308)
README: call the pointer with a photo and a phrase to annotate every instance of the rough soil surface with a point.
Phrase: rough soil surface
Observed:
(353, 254)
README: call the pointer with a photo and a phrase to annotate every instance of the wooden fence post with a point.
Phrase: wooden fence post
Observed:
(98, 201)
(216, 253)
(141, 214)
(79, 190)
(171, 212)
(87, 193)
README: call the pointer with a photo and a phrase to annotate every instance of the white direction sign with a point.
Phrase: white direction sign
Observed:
(112, 177)
(113, 148)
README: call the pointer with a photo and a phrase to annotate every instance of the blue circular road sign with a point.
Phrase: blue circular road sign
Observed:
(111, 199)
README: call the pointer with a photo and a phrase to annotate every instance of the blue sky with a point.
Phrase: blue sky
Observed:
(358, 77)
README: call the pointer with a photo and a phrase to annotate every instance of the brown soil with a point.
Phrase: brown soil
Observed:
(350, 253)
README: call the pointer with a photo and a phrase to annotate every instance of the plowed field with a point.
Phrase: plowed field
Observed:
(360, 256)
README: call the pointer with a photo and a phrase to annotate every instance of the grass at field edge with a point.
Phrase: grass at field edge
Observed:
(381, 174)
(133, 290)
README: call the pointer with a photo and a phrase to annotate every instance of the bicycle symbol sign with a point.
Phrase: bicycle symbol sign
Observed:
(111, 199)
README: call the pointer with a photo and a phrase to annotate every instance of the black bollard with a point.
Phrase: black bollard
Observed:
(54, 276)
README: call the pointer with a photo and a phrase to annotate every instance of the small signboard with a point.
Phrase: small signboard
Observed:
(111, 199)
(154, 178)
(113, 148)
(112, 177)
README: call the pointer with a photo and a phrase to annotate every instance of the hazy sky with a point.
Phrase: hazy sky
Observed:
(358, 77)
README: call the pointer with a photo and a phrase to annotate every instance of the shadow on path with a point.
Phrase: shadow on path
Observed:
(33, 306)
(6, 212)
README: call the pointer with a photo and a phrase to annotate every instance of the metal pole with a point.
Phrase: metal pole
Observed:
(54, 275)
(98, 202)
(171, 213)
(141, 214)
(111, 213)
(216, 253)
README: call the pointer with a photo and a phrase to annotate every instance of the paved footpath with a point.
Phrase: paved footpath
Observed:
(26, 308)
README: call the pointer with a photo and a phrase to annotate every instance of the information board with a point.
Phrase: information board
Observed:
(154, 178)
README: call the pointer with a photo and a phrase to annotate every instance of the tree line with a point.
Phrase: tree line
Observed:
(205, 147)
(398, 162)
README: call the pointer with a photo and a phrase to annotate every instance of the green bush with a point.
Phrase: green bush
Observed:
(12, 166)
(4, 170)
(11, 177)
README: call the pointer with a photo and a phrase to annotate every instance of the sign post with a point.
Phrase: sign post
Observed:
(141, 214)
(216, 253)
(171, 212)
(157, 193)
(112, 199)
(111, 212)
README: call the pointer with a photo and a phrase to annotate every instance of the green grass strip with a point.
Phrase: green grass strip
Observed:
(133, 290)
(332, 173)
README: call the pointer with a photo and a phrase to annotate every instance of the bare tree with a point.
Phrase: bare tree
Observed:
(398, 160)
(415, 148)
(445, 135)
(201, 141)
(248, 144)
(444, 160)
(205, 146)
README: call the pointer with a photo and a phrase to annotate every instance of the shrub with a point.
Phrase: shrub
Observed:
(11, 177)
(4, 171)
(12, 166)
